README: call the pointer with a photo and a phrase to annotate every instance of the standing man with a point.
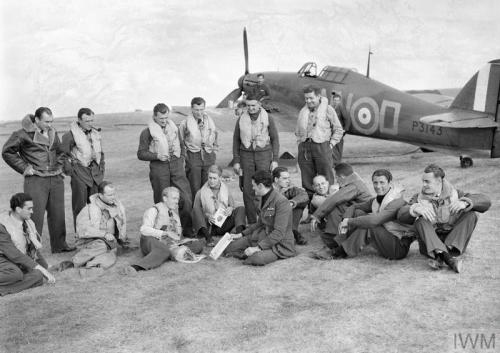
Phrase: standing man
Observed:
(296, 196)
(260, 91)
(271, 238)
(35, 152)
(339, 109)
(444, 218)
(161, 145)
(375, 222)
(85, 160)
(21, 264)
(256, 146)
(200, 140)
(318, 131)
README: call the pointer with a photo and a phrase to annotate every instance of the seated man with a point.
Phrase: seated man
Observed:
(100, 225)
(214, 194)
(271, 238)
(21, 264)
(375, 222)
(322, 190)
(444, 218)
(297, 196)
(352, 190)
(161, 232)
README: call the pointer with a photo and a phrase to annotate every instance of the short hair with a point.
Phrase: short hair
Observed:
(19, 199)
(312, 89)
(241, 104)
(84, 111)
(277, 172)
(260, 75)
(263, 177)
(169, 190)
(343, 169)
(319, 176)
(197, 101)
(336, 95)
(252, 97)
(40, 111)
(436, 170)
(383, 172)
(103, 185)
(215, 169)
(161, 108)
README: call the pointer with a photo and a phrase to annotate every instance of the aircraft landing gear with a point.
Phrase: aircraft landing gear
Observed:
(466, 162)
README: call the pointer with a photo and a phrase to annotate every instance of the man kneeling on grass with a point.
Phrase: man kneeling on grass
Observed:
(271, 238)
(214, 195)
(100, 227)
(21, 264)
(161, 235)
(375, 222)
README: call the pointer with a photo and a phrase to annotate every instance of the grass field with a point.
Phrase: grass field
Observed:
(365, 304)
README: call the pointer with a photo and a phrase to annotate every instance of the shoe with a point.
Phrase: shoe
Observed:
(435, 264)
(127, 271)
(455, 264)
(65, 248)
(322, 254)
(64, 265)
(299, 239)
(339, 253)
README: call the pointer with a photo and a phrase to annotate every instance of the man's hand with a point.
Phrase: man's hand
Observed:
(251, 250)
(426, 212)
(344, 226)
(314, 223)
(228, 211)
(50, 277)
(163, 157)
(293, 203)
(109, 237)
(29, 170)
(273, 165)
(331, 145)
(237, 168)
(236, 236)
(458, 206)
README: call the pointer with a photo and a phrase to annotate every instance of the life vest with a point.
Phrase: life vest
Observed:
(194, 138)
(321, 130)
(396, 228)
(83, 148)
(255, 133)
(162, 141)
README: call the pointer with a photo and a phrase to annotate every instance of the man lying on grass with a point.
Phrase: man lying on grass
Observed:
(271, 238)
(161, 235)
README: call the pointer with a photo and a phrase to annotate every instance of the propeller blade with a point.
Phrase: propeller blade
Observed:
(245, 49)
(233, 96)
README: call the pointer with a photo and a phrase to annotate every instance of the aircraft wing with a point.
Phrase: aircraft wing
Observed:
(461, 119)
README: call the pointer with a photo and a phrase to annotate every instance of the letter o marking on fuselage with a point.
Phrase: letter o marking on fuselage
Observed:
(365, 115)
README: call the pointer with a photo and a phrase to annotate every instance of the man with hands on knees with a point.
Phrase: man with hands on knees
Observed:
(271, 238)
(444, 218)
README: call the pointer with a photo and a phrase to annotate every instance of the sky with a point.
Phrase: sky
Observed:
(118, 56)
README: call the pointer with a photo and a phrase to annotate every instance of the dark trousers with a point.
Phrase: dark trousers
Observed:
(156, 253)
(165, 174)
(296, 217)
(333, 220)
(251, 162)
(315, 159)
(387, 244)
(260, 258)
(429, 241)
(337, 152)
(236, 219)
(48, 194)
(80, 193)
(14, 280)
(197, 165)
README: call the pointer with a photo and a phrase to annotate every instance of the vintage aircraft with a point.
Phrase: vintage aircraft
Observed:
(429, 119)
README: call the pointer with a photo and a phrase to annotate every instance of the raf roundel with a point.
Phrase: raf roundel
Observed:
(365, 115)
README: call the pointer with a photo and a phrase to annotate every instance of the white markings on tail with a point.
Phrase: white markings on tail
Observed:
(483, 77)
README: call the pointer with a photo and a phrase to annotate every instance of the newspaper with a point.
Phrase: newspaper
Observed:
(219, 217)
(221, 246)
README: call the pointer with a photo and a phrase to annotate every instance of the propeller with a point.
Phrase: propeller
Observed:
(236, 93)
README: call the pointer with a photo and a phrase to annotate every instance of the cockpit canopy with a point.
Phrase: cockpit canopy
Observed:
(329, 73)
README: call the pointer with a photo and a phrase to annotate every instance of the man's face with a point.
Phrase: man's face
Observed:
(312, 100)
(172, 200)
(336, 102)
(108, 195)
(45, 121)
(260, 189)
(86, 121)
(198, 110)
(283, 181)
(431, 185)
(161, 118)
(321, 186)
(260, 80)
(381, 185)
(253, 106)
(26, 211)
(213, 180)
